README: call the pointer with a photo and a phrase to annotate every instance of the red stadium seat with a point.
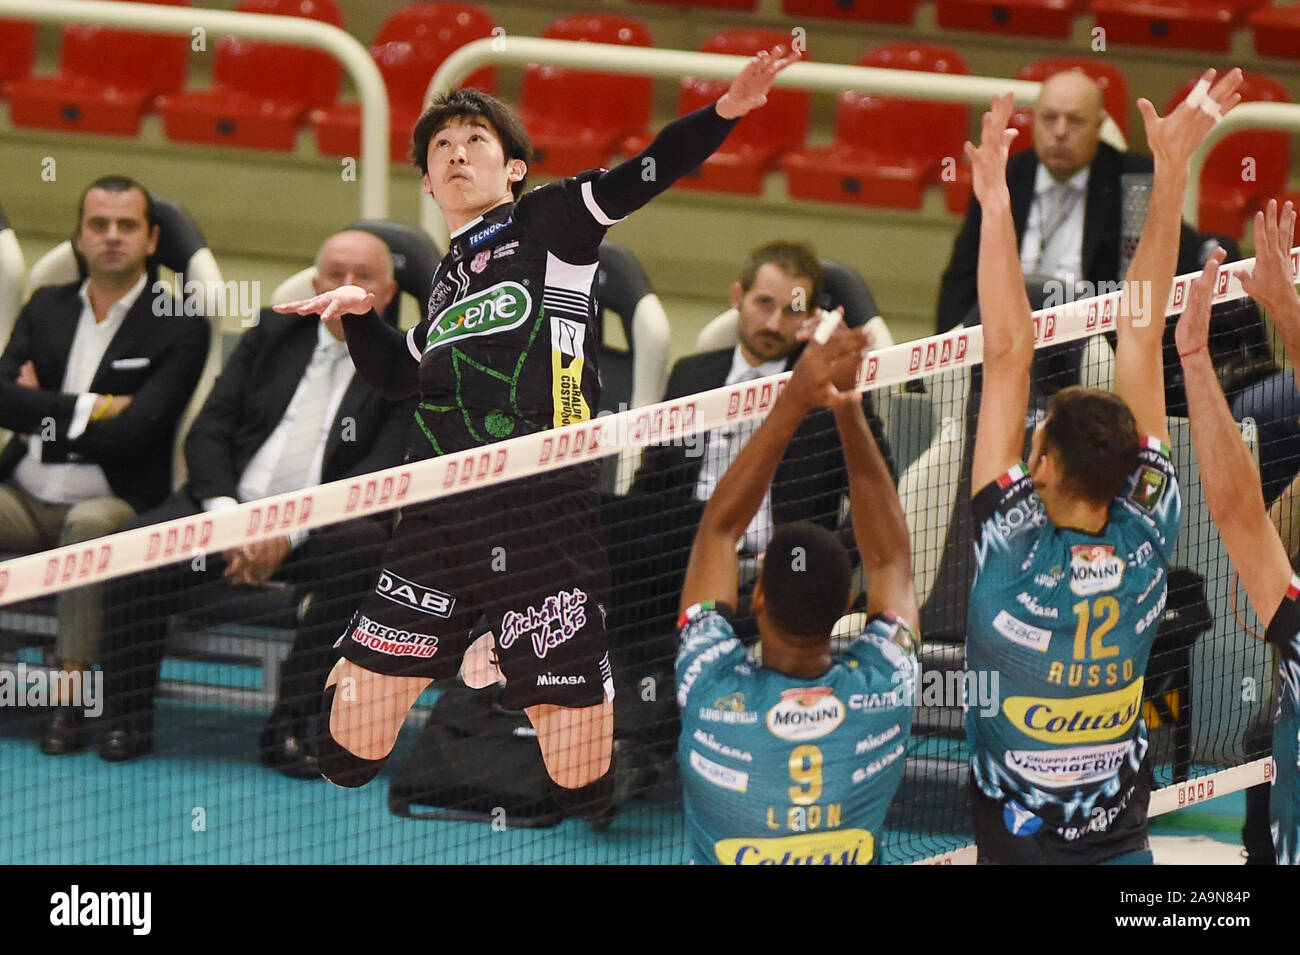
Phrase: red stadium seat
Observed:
(408, 49)
(261, 92)
(758, 140)
(1244, 169)
(17, 49)
(886, 150)
(1049, 18)
(870, 11)
(1277, 31)
(107, 79)
(1180, 24)
(576, 117)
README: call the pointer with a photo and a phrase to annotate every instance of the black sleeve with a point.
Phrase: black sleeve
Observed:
(957, 290)
(24, 410)
(570, 216)
(1285, 625)
(679, 148)
(382, 355)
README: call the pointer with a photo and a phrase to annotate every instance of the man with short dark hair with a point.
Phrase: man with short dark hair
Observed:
(96, 380)
(795, 761)
(1072, 551)
(508, 348)
(778, 285)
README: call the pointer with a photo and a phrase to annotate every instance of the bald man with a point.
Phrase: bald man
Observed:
(1065, 201)
(288, 412)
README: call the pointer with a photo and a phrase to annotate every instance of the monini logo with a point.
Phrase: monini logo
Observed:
(1094, 569)
(841, 847)
(502, 307)
(805, 713)
(1082, 719)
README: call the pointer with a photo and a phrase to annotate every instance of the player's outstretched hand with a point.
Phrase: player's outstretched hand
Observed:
(1174, 138)
(1192, 333)
(1271, 283)
(749, 89)
(344, 300)
(827, 370)
(989, 159)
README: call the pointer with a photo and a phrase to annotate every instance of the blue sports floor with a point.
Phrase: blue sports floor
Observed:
(203, 797)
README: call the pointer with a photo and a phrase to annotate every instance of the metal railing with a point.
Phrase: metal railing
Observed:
(297, 31)
(1285, 116)
(816, 77)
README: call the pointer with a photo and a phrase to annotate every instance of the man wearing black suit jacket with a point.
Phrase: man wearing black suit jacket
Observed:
(286, 413)
(96, 379)
(1066, 201)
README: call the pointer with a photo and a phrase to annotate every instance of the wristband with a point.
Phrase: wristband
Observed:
(1189, 354)
(96, 415)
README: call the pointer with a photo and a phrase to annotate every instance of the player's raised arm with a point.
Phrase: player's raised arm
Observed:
(688, 140)
(1228, 475)
(713, 569)
(879, 525)
(1271, 283)
(1004, 306)
(1139, 362)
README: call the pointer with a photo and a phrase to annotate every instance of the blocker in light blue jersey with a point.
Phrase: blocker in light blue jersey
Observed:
(1066, 619)
(1284, 800)
(786, 771)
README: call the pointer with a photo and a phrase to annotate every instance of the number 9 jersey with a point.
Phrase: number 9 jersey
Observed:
(1065, 620)
(786, 771)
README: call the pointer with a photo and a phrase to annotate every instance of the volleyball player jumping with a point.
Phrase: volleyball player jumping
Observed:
(1072, 551)
(508, 347)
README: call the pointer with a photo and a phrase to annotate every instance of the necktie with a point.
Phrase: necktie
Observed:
(1057, 203)
(306, 414)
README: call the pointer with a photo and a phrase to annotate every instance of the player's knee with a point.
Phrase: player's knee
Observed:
(586, 801)
(337, 764)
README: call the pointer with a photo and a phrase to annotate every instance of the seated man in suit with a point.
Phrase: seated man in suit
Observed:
(777, 289)
(96, 380)
(288, 412)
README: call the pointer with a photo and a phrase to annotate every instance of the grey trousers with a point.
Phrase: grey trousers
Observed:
(29, 524)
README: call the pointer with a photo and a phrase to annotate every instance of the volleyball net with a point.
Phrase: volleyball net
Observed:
(207, 659)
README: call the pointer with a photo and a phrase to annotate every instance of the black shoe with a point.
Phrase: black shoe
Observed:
(287, 746)
(126, 739)
(67, 732)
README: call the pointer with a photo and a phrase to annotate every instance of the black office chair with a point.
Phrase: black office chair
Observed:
(843, 286)
(633, 376)
(415, 260)
(12, 272)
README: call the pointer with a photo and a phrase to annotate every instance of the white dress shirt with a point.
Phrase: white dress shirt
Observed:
(256, 479)
(723, 444)
(1069, 264)
(72, 483)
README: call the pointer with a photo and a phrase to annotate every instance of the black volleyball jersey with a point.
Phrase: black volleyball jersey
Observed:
(508, 346)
